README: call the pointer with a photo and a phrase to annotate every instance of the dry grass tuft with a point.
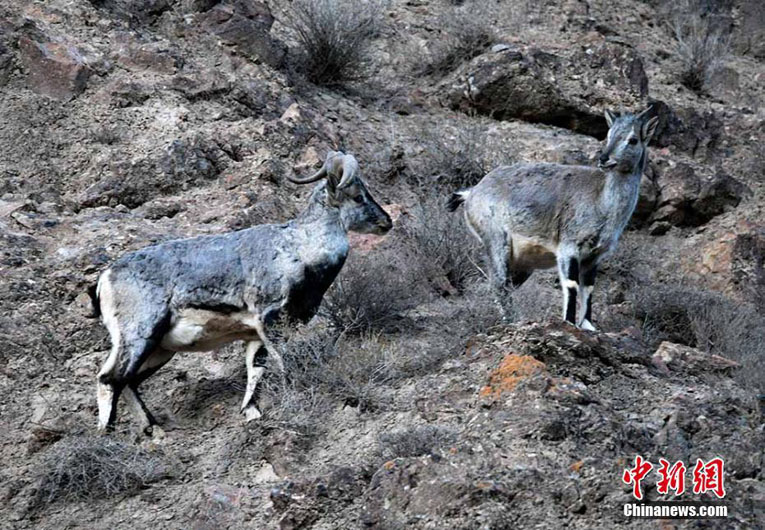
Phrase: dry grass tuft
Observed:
(371, 293)
(701, 44)
(324, 369)
(416, 441)
(90, 467)
(467, 30)
(334, 37)
(446, 253)
(456, 160)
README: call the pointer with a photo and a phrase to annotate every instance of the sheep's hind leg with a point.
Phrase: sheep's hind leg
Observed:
(568, 270)
(255, 371)
(586, 286)
(497, 252)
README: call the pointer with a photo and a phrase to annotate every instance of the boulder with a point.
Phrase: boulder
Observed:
(53, 69)
(245, 25)
(686, 199)
(538, 86)
(690, 130)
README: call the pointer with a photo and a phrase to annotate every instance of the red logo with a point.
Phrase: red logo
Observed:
(707, 477)
(672, 478)
(636, 474)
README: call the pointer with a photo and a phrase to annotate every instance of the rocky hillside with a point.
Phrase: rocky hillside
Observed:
(407, 403)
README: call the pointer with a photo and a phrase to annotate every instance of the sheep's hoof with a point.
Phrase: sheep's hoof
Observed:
(587, 326)
(251, 413)
(155, 432)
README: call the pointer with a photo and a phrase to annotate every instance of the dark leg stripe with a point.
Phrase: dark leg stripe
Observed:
(571, 307)
(589, 276)
(589, 281)
(573, 270)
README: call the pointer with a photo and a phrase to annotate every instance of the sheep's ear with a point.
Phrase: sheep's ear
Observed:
(610, 117)
(648, 129)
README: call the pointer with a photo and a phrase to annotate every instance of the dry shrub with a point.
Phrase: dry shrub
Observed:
(708, 321)
(701, 44)
(90, 468)
(334, 37)
(416, 441)
(467, 30)
(446, 253)
(459, 159)
(324, 368)
(371, 293)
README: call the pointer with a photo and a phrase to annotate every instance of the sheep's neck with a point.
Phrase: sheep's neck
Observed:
(323, 235)
(619, 198)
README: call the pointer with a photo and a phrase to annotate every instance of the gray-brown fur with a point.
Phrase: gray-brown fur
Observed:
(202, 292)
(536, 216)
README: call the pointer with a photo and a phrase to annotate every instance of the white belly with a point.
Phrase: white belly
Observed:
(530, 253)
(202, 330)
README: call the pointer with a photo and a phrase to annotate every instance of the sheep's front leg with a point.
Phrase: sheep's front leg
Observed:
(586, 286)
(254, 373)
(568, 270)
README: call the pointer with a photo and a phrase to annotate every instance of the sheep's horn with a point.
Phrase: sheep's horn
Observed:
(350, 168)
(644, 113)
(313, 178)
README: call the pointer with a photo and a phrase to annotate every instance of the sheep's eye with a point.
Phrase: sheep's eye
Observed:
(359, 199)
(633, 141)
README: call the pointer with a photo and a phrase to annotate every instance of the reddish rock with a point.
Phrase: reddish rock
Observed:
(156, 56)
(53, 69)
(677, 357)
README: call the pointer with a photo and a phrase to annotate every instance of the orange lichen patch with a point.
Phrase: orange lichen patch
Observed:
(512, 370)
(390, 464)
(576, 467)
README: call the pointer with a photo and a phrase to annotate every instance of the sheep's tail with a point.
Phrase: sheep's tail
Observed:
(95, 303)
(457, 198)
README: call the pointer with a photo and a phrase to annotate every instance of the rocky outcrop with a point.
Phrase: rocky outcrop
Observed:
(539, 86)
(692, 131)
(687, 199)
(556, 421)
(184, 163)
